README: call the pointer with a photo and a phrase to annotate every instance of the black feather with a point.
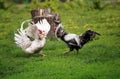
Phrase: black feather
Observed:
(72, 43)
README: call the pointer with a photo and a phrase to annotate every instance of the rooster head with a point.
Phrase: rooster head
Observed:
(43, 27)
(59, 31)
(41, 33)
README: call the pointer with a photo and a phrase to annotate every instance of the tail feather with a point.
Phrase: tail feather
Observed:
(24, 23)
(17, 36)
(21, 39)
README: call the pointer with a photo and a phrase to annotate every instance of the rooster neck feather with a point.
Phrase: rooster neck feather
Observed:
(62, 37)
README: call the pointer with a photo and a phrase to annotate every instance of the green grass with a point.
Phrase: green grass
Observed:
(98, 59)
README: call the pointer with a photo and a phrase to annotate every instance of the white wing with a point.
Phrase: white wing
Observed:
(72, 36)
(43, 25)
(21, 38)
(31, 31)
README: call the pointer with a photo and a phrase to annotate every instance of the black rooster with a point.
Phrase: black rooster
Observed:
(72, 40)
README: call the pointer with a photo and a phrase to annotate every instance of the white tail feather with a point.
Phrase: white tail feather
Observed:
(22, 40)
(24, 23)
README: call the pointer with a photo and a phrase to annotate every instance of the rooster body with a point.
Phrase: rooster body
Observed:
(72, 40)
(33, 38)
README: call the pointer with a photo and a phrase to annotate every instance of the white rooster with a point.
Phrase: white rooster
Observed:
(33, 38)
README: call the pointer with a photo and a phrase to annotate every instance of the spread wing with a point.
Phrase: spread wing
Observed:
(22, 38)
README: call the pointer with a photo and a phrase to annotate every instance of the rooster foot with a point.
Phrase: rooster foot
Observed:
(29, 55)
(43, 55)
(66, 53)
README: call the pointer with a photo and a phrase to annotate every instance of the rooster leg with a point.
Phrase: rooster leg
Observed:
(41, 54)
(66, 52)
(71, 49)
(29, 55)
(77, 51)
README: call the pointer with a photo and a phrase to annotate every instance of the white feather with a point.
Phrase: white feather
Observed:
(43, 25)
(72, 36)
(59, 26)
(24, 23)
(22, 40)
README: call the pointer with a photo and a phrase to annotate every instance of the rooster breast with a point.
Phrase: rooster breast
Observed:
(36, 45)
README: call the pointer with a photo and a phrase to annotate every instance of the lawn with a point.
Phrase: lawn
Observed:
(98, 59)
